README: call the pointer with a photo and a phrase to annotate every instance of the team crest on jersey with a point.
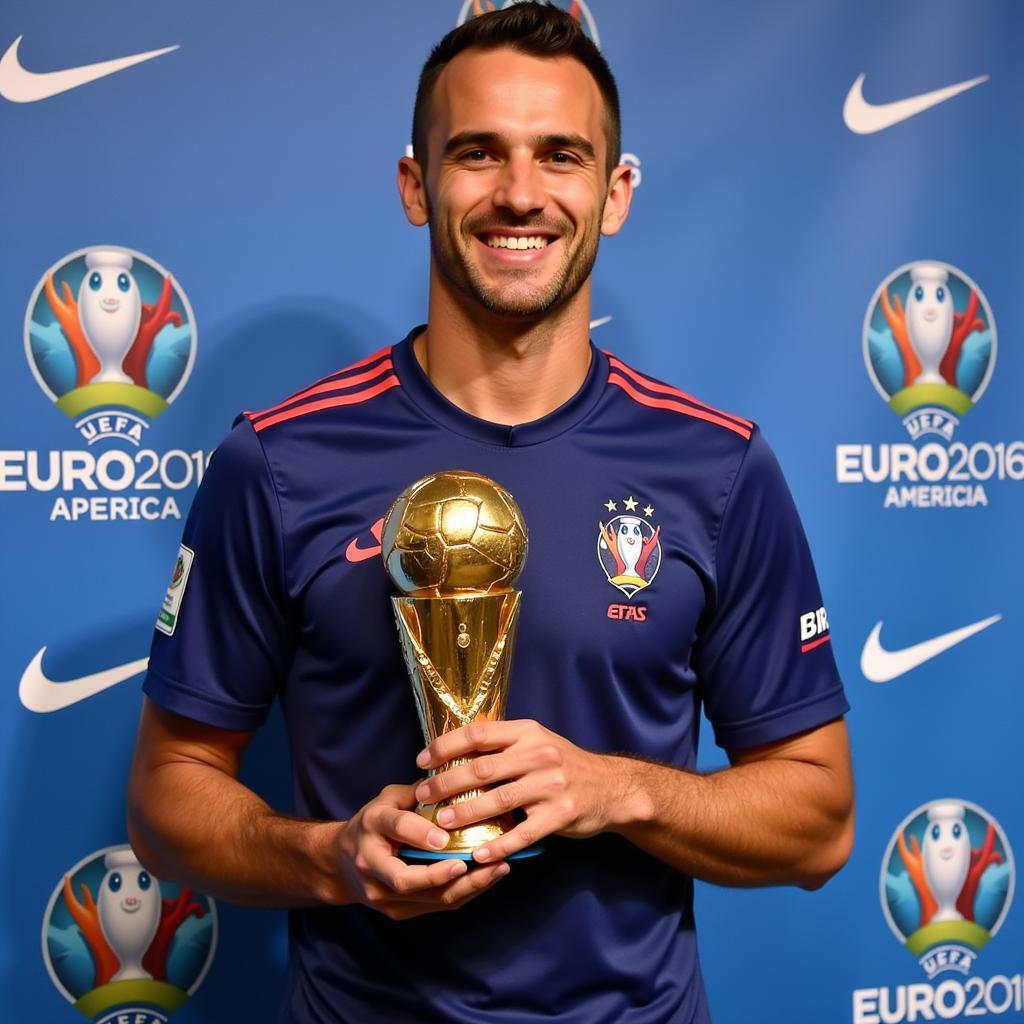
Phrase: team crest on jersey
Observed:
(629, 545)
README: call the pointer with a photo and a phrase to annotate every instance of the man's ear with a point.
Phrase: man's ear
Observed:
(616, 205)
(412, 191)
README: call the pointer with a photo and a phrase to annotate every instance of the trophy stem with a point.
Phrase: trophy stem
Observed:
(458, 653)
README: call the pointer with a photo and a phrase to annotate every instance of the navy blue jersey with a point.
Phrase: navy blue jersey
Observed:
(667, 570)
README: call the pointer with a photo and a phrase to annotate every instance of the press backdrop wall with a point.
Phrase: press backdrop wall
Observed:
(253, 165)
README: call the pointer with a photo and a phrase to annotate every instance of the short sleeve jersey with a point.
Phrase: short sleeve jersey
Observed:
(667, 571)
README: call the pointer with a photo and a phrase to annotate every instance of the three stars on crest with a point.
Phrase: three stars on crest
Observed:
(629, 504)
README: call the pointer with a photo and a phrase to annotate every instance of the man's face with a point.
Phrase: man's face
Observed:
(515, 178)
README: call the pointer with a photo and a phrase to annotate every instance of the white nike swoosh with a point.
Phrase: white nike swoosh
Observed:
(38, 693)
(19, 85)
(880, 665)
(600, 322)
(864, 118)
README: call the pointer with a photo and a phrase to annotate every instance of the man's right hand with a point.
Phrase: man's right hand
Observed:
(375, 876)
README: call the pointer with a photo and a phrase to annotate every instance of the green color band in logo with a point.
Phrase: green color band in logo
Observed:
(967, 932)
(97, 396)
(930, 394)
(123, 993)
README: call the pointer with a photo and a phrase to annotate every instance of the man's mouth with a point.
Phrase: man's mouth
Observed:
(516, 241)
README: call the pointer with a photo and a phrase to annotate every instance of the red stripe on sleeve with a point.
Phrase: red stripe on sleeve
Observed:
(328, 386)
(811, 644)
(329, 403)
(686, 410)
(666, 389)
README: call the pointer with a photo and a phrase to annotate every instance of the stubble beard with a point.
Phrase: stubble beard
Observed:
(451, 257)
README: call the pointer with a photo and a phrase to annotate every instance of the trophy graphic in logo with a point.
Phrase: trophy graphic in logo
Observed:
(929, 345)
(947, 883)
(628, 547)
(454, 544)
(119, 944)
(110, 338)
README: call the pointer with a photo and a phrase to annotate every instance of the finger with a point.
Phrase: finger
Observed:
(462, 890)
(415, 881)
(408, 827)
(487, 805)
(400, 796)
(478, 735)
(457, 895)
(525, 834)
(486, 770)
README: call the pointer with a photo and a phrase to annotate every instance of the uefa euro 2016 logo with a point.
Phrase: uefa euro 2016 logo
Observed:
(577, 8)
(111, 339)
(947, 883)
(929, 345)
(119, 944)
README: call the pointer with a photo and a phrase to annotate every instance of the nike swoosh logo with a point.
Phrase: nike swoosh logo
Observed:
(866, 118)
(20, 85)
(39, 693)
(354, 553)
(880, 665)
(600, 322)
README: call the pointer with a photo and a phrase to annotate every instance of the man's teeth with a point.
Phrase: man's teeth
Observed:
(522, 242)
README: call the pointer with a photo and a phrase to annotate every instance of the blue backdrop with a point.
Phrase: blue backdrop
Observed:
(780, 199)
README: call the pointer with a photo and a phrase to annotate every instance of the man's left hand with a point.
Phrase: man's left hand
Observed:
(560, 787)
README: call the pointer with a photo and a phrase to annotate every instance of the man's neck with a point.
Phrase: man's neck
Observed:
(503, 369)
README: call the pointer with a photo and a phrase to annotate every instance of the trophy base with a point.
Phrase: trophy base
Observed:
(414, 854)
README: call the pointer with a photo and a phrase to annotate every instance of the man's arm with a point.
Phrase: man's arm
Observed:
(781, 814)
(191, 820)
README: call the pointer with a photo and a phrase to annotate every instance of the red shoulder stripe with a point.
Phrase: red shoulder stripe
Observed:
(328, 386)
(686, 410)
(356, 398)
(329, 382)
(665, 389)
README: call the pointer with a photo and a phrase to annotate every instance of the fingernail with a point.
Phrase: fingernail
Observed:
(437, 839)
(482, 855)
(422, 792)
(501, 871)
(458, 868)
(423, 758)
(446, 817)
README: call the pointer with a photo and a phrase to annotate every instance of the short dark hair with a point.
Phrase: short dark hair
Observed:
(538, 30)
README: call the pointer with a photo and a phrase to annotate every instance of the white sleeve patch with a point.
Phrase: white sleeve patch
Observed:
(168, 617)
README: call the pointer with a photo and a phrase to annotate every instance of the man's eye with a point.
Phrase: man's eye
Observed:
(475, 155)
(562, 157)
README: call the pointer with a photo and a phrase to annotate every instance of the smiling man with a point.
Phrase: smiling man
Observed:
(667, 572)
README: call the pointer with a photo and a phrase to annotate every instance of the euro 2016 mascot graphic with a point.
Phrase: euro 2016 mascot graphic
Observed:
(947, 883)
(629, 546)
(929, 345)
(110, 338)
(120, 944)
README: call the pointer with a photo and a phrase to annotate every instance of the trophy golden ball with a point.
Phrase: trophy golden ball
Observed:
(454, 533)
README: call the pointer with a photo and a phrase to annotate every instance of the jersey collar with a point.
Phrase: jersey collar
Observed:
(417, 386)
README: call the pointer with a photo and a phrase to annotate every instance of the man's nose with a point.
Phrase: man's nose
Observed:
(520, 187)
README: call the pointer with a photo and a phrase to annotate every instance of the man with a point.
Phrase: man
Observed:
(515, 138)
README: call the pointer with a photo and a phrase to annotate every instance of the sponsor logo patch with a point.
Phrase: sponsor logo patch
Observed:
(167, 620)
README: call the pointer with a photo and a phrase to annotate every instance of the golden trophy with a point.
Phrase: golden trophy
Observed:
(453, 544)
